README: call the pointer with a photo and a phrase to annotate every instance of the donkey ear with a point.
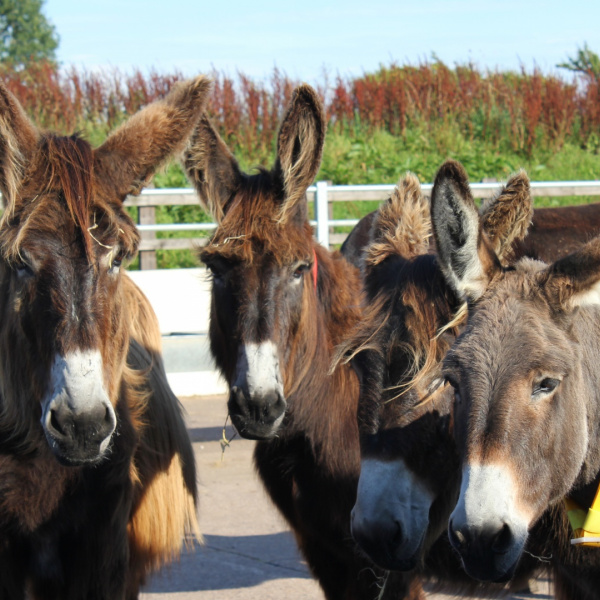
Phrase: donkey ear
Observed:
(465, 255)
(575, 279)
(18, 140)
(131, 155)
(402, 225)
(299, 146)
(212, 169)
(507, 217)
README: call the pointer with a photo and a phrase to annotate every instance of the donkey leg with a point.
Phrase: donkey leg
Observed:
(342, 575)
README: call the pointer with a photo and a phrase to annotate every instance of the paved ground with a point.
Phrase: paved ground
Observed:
(249, 553)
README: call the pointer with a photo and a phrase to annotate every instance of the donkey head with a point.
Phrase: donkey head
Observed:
(262, 258)
(409, 464)
(63, 238)
(523, 373)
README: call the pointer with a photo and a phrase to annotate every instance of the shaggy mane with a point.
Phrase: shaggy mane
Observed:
(402, 225)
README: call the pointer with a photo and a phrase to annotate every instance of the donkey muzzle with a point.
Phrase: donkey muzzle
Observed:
(256, 417)
(486, 527)
(77, 416)
(488, 554)
(256, 402)
(390, 518)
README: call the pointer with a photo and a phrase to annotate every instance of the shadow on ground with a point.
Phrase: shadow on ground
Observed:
(231, 563)
(211, 434)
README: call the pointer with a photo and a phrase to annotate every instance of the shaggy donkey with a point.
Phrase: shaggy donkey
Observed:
(97, 475)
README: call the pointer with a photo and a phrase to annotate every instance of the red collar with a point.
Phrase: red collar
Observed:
(315, 269)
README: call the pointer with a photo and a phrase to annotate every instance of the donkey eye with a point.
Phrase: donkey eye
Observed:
(300, 270)
(545, 386)
(24, 271)
(215, 271)
(116, 262)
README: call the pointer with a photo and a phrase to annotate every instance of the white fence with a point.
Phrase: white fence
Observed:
(323, 194)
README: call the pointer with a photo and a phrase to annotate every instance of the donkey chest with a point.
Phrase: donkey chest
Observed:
(32, 489)
(311, 495)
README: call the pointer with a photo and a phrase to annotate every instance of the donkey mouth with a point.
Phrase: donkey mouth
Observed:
(254, 430)
(79, 442)
(78, 455)
(498, 569)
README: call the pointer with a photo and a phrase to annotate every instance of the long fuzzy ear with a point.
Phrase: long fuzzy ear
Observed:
(575, 279)
(212, 169)
(402, 224)
(507, 217)
(131, 155)
(300, 146)
(18, 140)
(465, 255)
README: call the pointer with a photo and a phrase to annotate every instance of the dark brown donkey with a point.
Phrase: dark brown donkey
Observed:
(409, 477)
(97, 477)
(280, 304)
(527, 405)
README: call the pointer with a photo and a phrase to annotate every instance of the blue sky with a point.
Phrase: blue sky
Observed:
(339, 38)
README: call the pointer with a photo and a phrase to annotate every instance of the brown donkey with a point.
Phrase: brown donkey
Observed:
(96, 469)
(280, 304)
(526, 416)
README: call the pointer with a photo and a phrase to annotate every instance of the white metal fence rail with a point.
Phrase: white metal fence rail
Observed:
(322, 194)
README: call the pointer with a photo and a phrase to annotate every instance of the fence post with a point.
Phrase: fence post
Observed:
(147, 216)
(322, 213)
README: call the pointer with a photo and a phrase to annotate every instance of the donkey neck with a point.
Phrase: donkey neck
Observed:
(325, 403)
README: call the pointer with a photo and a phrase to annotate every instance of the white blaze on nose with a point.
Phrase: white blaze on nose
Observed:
(260, 365)
(489, 499)
(80, 373)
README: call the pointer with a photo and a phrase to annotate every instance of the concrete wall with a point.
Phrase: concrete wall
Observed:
(181, 300)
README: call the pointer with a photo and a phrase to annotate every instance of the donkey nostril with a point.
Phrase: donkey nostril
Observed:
(457, 537)
(55, 423)
(502, 540)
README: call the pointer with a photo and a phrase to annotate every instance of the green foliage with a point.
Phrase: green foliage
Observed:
(26, 35)
(586, 61)
(356, 156)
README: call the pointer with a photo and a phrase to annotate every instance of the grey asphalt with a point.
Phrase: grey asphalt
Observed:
(248, 551)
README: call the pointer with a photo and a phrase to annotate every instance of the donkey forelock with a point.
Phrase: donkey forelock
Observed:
(61, 174)
(252, 226)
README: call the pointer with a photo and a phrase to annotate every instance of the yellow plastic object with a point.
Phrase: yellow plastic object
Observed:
(586, 526)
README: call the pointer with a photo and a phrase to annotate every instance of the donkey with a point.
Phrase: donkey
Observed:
(97, 474)
(280, 304)
(525, 380)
